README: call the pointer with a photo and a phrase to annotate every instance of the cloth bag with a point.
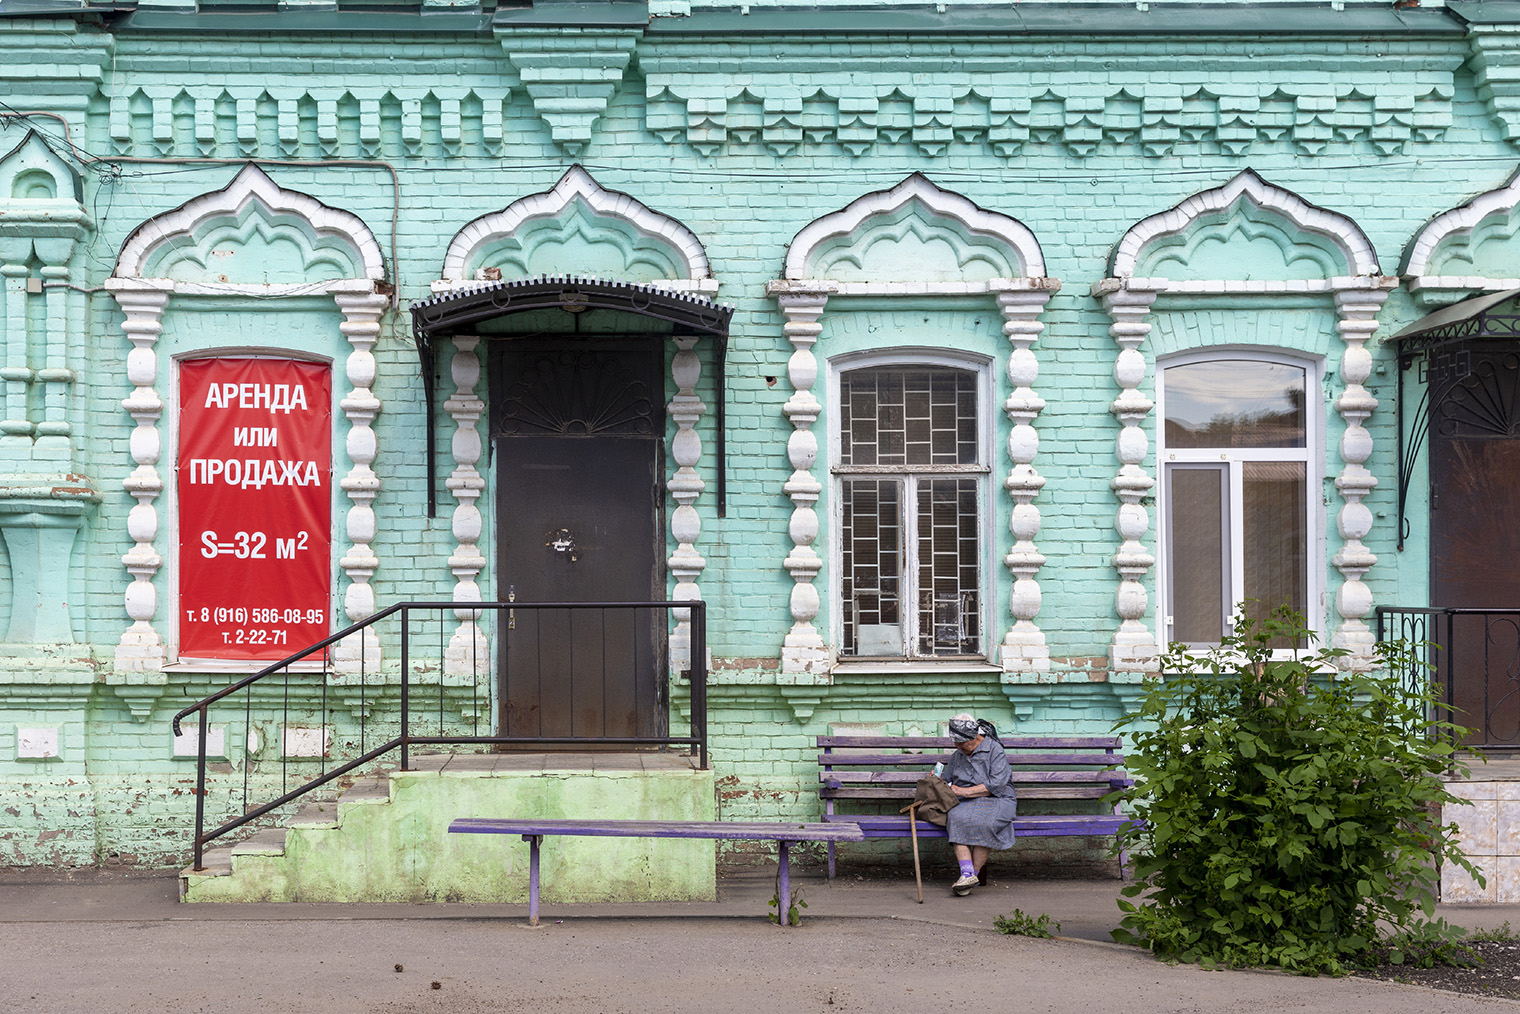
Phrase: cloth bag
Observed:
(934, 798)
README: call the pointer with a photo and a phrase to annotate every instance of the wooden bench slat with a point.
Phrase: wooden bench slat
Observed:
(1033, 742)
(1019, 777)
(927, 760)
(1031, 792)
(726, 830)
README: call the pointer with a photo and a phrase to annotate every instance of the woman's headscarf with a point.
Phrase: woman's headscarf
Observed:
(963, 728)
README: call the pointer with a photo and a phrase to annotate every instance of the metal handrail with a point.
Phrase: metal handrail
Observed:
(696, 674)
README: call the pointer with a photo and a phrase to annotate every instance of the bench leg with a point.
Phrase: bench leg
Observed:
(784, 886)
(831, 860)
(533, 840)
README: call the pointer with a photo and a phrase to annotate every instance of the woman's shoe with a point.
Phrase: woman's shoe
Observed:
(963, 886)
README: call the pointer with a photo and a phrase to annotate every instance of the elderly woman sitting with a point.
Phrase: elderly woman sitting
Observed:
(982, 820)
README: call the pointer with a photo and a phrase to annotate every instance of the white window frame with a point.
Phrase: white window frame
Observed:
(1312, 454)
(909, 357)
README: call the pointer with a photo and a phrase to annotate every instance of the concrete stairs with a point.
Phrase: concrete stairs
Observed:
(385, 836)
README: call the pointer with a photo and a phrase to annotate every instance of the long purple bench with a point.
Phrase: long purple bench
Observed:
(887, 769)
(534, 830)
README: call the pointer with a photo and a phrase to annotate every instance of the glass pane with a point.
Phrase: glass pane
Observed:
(949, 607)
(1276, 537)
(898, 416)
(1197, 574)
(872, 567)
(1234, 403)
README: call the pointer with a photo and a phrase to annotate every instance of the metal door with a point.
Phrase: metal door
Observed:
(1475, 537)
(579, 452)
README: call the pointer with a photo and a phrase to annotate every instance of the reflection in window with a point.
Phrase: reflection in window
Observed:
(911, 484)
(1236, 480)
(1234, 403)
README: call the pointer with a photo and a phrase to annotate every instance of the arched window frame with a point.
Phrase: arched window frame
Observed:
(913, 357)
(1312, 454)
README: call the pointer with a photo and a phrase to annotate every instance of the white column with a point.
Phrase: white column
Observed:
(143, 301)
(685, 486)
(1134, 647)
(1024, 646)
(1357, 310)
(361, 326)
(469, 651)
(803, 650)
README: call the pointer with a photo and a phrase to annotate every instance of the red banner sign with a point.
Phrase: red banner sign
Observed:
(255, 508)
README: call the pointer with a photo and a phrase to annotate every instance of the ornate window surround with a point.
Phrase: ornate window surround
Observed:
(466, 406)
(805, 658)
(1359, 295)
(1429, 289)
(145, 300)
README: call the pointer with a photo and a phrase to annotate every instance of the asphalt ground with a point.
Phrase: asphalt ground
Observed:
(97, 941)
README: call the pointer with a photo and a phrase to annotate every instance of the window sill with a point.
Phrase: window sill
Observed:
(208, 665)
(864, 666)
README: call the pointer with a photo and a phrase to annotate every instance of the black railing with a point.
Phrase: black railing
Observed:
(1473, 658)
(463, 682)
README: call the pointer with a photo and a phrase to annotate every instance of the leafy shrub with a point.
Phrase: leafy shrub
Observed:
(1020, 925)
(1286, 807)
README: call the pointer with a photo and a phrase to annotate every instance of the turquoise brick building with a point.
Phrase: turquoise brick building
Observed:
(957, 356)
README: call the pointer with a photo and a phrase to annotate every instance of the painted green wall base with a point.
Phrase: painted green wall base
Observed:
(398, 849)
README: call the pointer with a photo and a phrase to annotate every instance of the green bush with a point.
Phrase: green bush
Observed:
(1286, 807)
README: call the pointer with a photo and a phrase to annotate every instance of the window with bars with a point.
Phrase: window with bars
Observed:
(911, 479)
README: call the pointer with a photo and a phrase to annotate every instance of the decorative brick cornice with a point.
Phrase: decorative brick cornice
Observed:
(570, 76)
(1168, 98)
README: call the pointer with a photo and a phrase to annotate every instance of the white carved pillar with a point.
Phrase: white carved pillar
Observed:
(685, 486)
(803, 650)
(1134, 647)
(1357, 310)
(1024, 646)
(143, 301)
(361, 326)
(469, 650)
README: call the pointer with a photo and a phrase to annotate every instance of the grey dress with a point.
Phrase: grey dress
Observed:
(987, 821)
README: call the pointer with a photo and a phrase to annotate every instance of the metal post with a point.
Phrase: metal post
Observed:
(406, 702)
(784, 886)
(200, 792)
(533, 840)
(699, 680)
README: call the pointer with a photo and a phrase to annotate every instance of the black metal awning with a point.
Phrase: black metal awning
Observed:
(1439, 344)
(458, 310)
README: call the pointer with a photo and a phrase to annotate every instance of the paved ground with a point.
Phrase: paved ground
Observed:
(105, 942)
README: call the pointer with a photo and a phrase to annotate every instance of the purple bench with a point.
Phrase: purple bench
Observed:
(534, 830)
(887, 768)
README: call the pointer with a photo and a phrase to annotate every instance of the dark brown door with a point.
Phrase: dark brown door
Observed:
(1475, 535)
(579, 447)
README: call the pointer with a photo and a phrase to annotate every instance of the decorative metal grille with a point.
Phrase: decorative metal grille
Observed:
(1482, 393)
(576, 393)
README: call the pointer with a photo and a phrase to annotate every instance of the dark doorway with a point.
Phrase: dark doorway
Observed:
(579, 449)
(1475, 534)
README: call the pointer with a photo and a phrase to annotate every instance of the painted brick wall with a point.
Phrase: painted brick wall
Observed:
(1078, 178)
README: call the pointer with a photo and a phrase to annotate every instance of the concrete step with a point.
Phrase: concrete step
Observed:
(370, 790)
(322, 815)
(268, 842)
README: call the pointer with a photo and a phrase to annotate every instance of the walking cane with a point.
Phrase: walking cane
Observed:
(918, 877)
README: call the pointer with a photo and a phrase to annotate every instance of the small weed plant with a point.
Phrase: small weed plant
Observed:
(1285, 807)
(794, 907)
(1020, 925)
